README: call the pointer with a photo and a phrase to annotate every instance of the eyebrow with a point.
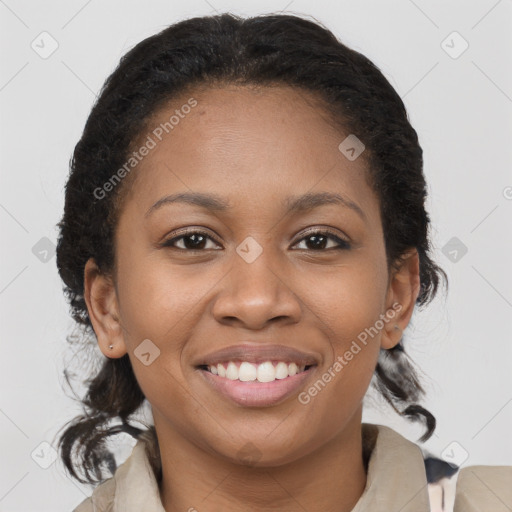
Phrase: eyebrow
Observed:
(294, 204)
(209, 201)
(314, 200)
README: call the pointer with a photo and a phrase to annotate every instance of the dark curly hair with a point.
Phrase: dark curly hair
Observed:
(226, 49)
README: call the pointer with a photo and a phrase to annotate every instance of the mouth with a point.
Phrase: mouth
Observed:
(250, 384)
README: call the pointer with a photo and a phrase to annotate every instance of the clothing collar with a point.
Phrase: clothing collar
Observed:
(396, 478)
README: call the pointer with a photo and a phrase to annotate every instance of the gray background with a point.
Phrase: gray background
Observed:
(461, 106)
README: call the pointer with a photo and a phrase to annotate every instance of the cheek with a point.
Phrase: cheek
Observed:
(348, 299)
(347, 320)
(348, 304)
(159, 304)
(158, 298)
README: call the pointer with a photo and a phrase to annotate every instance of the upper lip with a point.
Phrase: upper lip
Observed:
(257, 354)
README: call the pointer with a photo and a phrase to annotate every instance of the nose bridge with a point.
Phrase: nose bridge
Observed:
(254, 291)
(255, 273)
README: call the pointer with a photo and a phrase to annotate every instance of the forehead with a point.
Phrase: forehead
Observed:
(251, 145)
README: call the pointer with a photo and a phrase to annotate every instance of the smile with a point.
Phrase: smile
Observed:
(256, 385)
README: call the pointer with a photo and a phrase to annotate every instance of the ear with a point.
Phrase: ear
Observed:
(403, 290)
(101, 299)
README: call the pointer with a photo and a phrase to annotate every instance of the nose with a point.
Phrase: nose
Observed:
(256, 294)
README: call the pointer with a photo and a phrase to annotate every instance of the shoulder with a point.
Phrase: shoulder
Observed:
(398, 466)
(470, 489)
(134, 485)
(102, 498)
(484, 488)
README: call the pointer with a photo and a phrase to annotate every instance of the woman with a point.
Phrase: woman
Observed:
(245, 233)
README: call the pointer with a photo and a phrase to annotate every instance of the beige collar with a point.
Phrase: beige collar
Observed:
(396, 478)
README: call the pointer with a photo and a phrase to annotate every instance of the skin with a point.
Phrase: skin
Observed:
(254, 148)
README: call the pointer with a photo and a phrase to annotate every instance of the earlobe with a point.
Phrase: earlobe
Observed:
(100, 297)
(403, 290)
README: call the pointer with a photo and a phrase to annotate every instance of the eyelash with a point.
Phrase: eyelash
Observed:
(343, 244)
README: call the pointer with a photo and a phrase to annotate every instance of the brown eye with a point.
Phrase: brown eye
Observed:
(319, 240)
(191, 241)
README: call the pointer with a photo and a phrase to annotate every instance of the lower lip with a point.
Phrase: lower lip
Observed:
(254, 393)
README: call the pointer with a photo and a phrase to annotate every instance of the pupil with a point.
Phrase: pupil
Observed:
(199, 239)
(320, 244)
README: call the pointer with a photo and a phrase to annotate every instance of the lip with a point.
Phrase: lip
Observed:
(254, 393)
(257, 353)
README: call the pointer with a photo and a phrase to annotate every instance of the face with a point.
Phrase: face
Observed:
(244, 268)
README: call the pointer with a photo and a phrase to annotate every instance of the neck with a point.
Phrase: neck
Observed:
(331, 478)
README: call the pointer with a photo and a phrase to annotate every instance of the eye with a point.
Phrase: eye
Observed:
(198, 240)
(319, 240)
(191, 241)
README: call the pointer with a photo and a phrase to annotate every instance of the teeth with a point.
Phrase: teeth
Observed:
(232, 371)
(281, 370)
(264, 372)
(247, 372)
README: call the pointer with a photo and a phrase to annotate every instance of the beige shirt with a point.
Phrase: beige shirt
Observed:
(396, 481)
